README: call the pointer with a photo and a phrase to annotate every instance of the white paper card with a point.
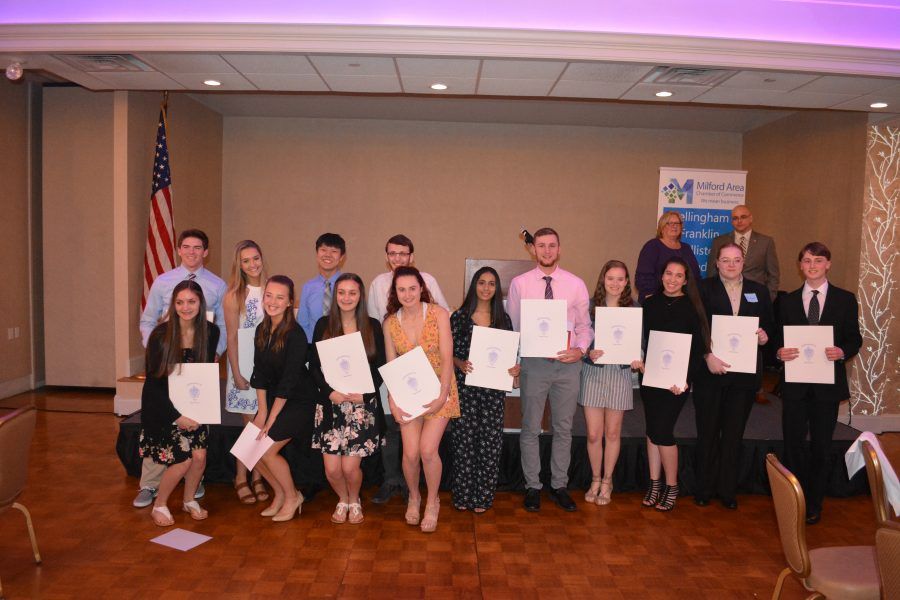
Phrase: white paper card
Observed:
(181, 539)
(543, 328)
(734, 341)
(194, 390)
(811, 366)
(211, 316)
(667, 359)
(248, 449)
(411, 381)
(246, 353)
(492, 354)
(617, 331)
(345, 365)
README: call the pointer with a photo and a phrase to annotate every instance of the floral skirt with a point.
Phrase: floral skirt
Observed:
(351, 431)
(172, 446)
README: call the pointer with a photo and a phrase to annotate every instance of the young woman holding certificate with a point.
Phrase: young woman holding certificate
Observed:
(413, 320)
(477, 436)
(675, 307)
(167, 436)
(285, 391)
(606, 390)
(243, 310)
(722, 400)
(348, 427)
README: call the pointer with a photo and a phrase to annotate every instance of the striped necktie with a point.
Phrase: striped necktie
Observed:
(744, 244)
(326, 298)
(192, 276)
(548, 291)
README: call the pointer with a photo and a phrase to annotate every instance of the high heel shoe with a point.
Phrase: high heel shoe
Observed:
(667, 501)
(653, 493)
(430, 520)
(290, 514)
(272, 510)
(591, 495)
(606, 490)
(412, 511)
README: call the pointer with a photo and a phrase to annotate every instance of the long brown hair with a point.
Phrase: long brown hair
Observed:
(625, 299)
(238, 282)
(335, 326)
(691, 291)
(170, 342)
(265, 334)
(393, 304)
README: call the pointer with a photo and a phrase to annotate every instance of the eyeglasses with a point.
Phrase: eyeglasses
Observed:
(674, 224)
(731, 261)
(398, 254)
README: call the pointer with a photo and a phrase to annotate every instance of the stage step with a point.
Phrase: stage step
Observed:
(128, 395)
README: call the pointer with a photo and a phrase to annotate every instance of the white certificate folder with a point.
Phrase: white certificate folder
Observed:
(411, 381)
(617, 331)
(668, 355)
(811, 366)
(492, 354)
(248, 449)
(734, 341)
(194, 390)
(345, 364)
(542, 324)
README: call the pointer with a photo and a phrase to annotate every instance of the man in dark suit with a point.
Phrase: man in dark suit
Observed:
(814, 406)
(760, 260)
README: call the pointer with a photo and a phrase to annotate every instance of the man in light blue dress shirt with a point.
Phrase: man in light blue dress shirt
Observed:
(193, 248)
(317, 293)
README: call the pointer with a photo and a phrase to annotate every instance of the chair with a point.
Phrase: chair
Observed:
(848, 572)
(16, 429)
(887, 546)
(876, 483)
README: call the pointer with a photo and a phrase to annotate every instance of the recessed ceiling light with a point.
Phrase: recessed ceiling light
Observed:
(439, 86)
(878, 105)
(663, 94)
(212, 82)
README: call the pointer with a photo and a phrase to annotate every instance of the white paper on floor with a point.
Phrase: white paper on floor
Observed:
(181, 539)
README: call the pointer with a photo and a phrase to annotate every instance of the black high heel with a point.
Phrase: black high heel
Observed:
(667, 502)
(651, 498)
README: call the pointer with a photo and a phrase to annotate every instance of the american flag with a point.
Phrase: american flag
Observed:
(159, 254)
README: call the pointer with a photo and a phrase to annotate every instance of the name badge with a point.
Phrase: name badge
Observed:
(751, 297)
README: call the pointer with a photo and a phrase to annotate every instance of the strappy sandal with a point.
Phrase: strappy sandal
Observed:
(430, 520)
(667, 501)
(193, 508)
(653, 492)
(259, 490)
(245, 498)
(356, 514)
(591, 495)
(161, 516)
(606, 490)
(412, 511)
(340, 513)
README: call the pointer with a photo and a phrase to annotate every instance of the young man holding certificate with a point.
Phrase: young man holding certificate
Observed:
(814, 406)
(557, 379)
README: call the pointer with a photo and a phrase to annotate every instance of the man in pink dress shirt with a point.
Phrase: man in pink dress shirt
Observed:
(557, 379)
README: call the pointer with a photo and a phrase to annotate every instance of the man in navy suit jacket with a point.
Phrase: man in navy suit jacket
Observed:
(815, 405)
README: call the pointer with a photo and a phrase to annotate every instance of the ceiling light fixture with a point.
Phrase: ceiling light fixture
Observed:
(439, 86)
(878, 105)
(14, 71)
(212, 83)
(663, 94)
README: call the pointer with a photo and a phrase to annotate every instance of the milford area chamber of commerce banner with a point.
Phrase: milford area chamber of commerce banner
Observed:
(705, 199)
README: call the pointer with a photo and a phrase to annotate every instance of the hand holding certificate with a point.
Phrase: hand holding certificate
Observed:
(811, 365)
(543, 328)
(618, 334)
(667, 360)
(411, 381)
(492, 353)
(194, 390)
(734, 341)
(248, 449)
(345, 365)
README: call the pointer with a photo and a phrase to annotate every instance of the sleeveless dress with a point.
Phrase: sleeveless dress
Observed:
(431, 346)
(244, 401)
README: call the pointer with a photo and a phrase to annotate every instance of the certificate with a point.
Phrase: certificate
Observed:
(492, 354)
(345, 364)
(194, 390)
(543, 328)
(734, 341)
(617, 331)
(248, 449)
(667, 359)
(411, 381)
(811, 366)
(246, 353)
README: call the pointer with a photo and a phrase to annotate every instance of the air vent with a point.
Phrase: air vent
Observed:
(687, 76)
(104, 63)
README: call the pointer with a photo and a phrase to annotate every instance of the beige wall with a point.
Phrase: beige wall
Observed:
(457, 189)
(15, 354)
(804, 183)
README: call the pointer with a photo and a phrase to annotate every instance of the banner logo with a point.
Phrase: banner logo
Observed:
(675, 192)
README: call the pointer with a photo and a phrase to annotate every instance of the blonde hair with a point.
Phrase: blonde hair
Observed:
(661, 224)
(238, 282)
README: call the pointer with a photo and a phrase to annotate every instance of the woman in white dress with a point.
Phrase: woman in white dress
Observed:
(243, 310)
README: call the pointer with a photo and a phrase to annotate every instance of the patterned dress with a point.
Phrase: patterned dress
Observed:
(431, 346)
(477, 436)
(244, 401)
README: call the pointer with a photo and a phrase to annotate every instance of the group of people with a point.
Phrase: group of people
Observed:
(405, 308)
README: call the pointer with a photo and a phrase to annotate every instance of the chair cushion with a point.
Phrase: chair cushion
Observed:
(849, 572)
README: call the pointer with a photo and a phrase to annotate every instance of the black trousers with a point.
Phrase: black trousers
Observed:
(819, 418)
(721, 413)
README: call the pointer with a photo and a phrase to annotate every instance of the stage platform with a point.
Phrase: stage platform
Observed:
(763, 435)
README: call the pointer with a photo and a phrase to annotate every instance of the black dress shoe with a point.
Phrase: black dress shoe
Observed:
(563, 499)
(385, 493)
(701, 500)
(813, 517)
(729, 503)
(532, 500)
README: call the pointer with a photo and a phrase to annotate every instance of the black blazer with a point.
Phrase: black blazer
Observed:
(841, 311)
(716, 302)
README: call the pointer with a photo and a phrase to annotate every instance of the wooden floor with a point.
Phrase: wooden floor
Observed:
(95, 545)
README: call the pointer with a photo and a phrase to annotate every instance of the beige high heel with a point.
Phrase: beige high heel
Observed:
(279, 518)
(591, 495)
(430, 520)
(272, 510)
(605, 497)
(412, 511)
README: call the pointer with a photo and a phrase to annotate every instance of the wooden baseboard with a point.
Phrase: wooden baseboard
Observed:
(874, 423)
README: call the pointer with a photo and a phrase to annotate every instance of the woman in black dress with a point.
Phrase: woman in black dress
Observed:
(285, 390)
(167, 436)
(675, 307)
(348, 427)
(477, 436)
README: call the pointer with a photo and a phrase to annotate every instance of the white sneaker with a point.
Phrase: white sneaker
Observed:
(144, 498)
(201, 491)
